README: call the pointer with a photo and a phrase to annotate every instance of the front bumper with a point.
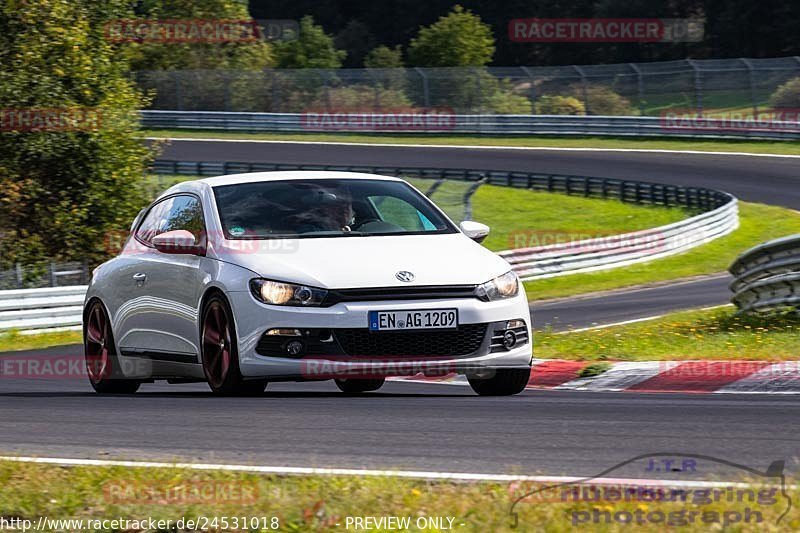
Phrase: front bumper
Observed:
(254, 318)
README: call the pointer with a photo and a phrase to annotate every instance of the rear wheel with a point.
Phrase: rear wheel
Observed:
(359, 385)
(505, 382)
(220, 354)
(102, 365)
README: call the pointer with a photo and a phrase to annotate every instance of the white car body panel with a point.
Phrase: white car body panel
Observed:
(163, 314)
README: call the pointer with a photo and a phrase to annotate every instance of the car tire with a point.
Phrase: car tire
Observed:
(100, 354)
(505, 382)
(219, 352)
(353, 386)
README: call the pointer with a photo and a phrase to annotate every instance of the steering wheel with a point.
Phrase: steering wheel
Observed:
(362, 223)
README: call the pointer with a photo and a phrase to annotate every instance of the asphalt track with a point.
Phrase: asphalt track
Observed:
(427, 426)
(769, 180)
(406, 426)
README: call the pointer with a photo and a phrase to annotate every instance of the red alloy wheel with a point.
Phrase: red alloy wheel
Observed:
(98, 337)
(216, 344)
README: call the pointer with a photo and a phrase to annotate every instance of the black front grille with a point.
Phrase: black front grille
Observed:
(363, 342)
(423, 292)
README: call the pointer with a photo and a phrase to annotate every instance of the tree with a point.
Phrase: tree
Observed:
(356, 40)
(245, 55)
(459, 39)
(312, 49)
(384, 57)
(66, 186)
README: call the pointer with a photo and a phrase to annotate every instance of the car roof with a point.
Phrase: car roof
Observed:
(253, 177)
(256, 177)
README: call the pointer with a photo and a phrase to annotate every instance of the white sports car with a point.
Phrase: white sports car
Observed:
(295, 276)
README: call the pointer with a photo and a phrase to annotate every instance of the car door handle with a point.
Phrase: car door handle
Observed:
(140, 278)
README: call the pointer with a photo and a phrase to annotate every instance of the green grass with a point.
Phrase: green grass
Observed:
(759, 223)
(712, 145)
(716, 334)
(12, 341)
(314, 503)
(522, 218)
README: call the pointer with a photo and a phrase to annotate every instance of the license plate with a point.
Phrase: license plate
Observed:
(413, 320)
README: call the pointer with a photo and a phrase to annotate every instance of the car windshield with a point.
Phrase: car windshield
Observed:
(326, 208)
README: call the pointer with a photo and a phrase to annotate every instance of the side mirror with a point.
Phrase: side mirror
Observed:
(474, 230)
(177, 242)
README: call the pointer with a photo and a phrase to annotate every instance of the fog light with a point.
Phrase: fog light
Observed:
(509, 339)
(294, 347)
(516, 323)
(284, 332)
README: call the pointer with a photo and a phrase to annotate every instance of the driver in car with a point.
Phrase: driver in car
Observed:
(324, 210)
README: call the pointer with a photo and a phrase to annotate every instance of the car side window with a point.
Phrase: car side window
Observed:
(181, 212)
(400, 213)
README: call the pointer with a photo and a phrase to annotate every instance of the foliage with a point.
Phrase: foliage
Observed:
(559, 105)
(459, 39)
(601, 100)
(384, 57)
(360, 97)
(66, 188)
(180, 56)
(357, 41)
(312, 49)
(787, 95)
(594, 369)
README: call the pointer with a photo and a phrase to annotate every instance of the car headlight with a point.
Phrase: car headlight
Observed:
(279, 293)
(505, 286)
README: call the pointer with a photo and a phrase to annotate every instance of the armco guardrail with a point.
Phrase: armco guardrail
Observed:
(718, 212)
(473, 124)
(767, 277)
(58, 307)
(32, 309)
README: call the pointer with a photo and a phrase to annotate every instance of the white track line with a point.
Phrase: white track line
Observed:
(474, 147)
(412, 474)
(635, 320)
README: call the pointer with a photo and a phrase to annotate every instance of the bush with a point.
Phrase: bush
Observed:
(787, 95)
(600, 100)
(507, 103)
(559, 105)
(361, 97)
(594, 369)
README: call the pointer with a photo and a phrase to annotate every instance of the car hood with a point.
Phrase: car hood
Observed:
(346, 262)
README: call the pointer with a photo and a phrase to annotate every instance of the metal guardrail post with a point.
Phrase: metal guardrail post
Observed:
(639, 86)
(752, 83)
(532, 90)
(698, 86)
(584, 89)
(176, 76)
(426, 93)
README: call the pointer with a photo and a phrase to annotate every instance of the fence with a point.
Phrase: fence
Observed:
(767, 277)
(46, 275)
(646, 89)
(771, 128)
(718, 212)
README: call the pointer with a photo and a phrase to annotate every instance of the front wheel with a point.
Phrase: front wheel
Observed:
(102, 365)
(220, 354)
(505, 382)
(352, 386)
